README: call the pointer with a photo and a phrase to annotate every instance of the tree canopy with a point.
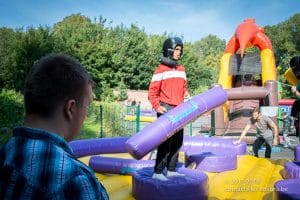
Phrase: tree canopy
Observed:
(125, 57)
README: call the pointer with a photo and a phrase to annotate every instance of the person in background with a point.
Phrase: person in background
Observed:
(295, 65)
(287, 125)
(295, 111)
(37, 162)
(264, 126)
(133, 103)
(167, 89)
(127, 102)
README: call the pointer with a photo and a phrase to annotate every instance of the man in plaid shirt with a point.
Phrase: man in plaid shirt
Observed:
(37, 162)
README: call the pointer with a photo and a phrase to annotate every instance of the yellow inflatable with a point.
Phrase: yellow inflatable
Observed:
(254, 178)
(142, 118)
(290, 77)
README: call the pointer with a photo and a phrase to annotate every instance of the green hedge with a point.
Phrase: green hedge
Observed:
(11, 112)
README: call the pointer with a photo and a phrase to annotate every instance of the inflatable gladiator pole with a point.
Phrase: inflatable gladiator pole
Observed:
(168, 124)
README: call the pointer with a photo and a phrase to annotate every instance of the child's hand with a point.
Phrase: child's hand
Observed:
(237, 142)
(275, 141)
(186, 95)
(293, 89)
(161, 110)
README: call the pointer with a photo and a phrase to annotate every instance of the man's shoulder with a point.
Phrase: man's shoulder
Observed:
(40, 155)
(48, 184)
(265, 117)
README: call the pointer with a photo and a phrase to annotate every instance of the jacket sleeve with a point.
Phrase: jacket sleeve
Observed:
(185, 88)
(154, 89)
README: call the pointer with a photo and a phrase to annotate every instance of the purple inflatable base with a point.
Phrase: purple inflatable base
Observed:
(287, 189)
(292, 170)
(188, 187)
(212, 161)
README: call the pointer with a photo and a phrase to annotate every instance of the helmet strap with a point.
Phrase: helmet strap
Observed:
(167, 61)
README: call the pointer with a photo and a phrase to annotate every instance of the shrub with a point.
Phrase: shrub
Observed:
(11, 112)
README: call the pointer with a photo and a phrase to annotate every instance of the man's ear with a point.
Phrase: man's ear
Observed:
(69, 108)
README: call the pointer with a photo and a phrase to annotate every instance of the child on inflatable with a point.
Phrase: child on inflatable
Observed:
(287, 126)
(167, 89)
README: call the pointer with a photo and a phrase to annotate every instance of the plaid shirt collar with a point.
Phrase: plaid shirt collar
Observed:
(38, 134)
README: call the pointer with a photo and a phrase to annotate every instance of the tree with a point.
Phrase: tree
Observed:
(285, 38)
(202, 62)
(78, 36)
(25, 47)
(6, 39)
(122, 91)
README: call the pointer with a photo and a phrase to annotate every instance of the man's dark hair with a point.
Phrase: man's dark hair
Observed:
(256, 109)
(53, 80)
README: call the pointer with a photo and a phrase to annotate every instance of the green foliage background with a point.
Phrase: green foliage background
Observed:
(11, 112)
(116, 57)
(120, 57)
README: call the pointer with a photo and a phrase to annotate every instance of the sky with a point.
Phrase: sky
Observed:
(189, 19)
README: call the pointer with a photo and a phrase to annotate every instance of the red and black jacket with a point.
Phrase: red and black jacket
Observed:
(168, 85)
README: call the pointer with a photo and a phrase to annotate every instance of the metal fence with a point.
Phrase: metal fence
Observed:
(118, 120)
(121, 120)
(113, 120)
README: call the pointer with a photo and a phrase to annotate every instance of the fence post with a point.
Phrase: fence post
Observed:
(212, 123)
(137, 119)
(101, 121)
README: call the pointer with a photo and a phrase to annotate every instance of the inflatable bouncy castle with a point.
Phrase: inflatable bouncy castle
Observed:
(249, 78)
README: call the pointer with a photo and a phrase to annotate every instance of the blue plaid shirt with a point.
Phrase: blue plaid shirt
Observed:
(36, 164)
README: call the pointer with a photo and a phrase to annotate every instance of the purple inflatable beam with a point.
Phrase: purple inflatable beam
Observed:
(98, 146)
(165, 126)
(212, 144)
(102, 164)
(297, 153)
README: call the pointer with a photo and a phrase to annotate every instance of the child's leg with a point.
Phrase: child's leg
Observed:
(286, 138)
(176, 143)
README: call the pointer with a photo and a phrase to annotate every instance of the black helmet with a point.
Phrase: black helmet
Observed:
(295, 65)
(169, 46)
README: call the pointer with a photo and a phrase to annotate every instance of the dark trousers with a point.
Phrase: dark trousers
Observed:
(258, 143)
(168, 151)
(295, 113)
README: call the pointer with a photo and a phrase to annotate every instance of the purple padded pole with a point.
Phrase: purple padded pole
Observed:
(212, 144)
(102, 164)
(98, 146)
(166, 125)
(297, 153)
